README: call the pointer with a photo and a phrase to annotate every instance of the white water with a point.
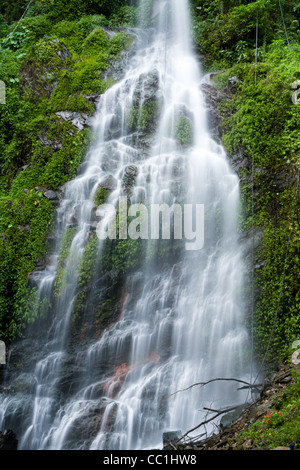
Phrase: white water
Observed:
(180, 325)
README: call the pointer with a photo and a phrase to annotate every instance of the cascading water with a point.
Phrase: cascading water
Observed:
(182, 319)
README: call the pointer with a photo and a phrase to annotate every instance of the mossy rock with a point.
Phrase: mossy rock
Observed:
(183, 130)
(101, 196)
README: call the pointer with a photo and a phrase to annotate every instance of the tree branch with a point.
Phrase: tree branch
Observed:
(247, 385)
(205, 422)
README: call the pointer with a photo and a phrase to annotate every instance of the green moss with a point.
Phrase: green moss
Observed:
(101, 196)
(87, 264)
(143, 117)
(24, 226)
(63, 255)
(96, 42)
(38, 148)
(183, 130)
(264, 126)
(89, 23)
(86, 271)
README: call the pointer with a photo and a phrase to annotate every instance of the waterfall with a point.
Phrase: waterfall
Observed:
(182, 316)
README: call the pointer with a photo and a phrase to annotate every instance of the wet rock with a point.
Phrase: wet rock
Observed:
(213, 98)
(232, 84)
(8, 440)
(23, 383)
(94, 98)
(228, 419)
(109, 182)
(140, 140)
(129, 178)
(283, 377)
(53, 144)
(169, 437)
(79, 120)
(146, 88)
(118, 66)
(62, 52)
(113, 127)
(23, 168)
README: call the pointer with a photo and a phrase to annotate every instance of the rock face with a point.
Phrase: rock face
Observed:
(8, 440)
(79, 120)
(62, 50)
(213, 98)
(146, 88)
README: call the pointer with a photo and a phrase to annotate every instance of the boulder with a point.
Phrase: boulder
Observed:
(51, 195)
(109, 182)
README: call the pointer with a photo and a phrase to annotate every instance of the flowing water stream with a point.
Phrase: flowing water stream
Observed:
(182, 318)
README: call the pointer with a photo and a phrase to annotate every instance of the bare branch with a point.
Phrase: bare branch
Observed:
(247, 385)
(205, 422)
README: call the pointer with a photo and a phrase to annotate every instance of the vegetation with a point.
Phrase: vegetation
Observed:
(50, 65)
(280, 426)
(55, 59)
(261, 125)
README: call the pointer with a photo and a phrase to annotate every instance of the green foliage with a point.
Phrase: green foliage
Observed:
(88, 261)
(125, 16)
(101, 196)
(265, 126)
(14, 10)
(74, 9)
(16, 40)
(266, 109)
(226, 31)
(279, 427)
(143, 117)
(60, 279)
(88, 23)
(86, 271)
(183, 130)
(24, 225)
(3, 26)
(39, 149)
